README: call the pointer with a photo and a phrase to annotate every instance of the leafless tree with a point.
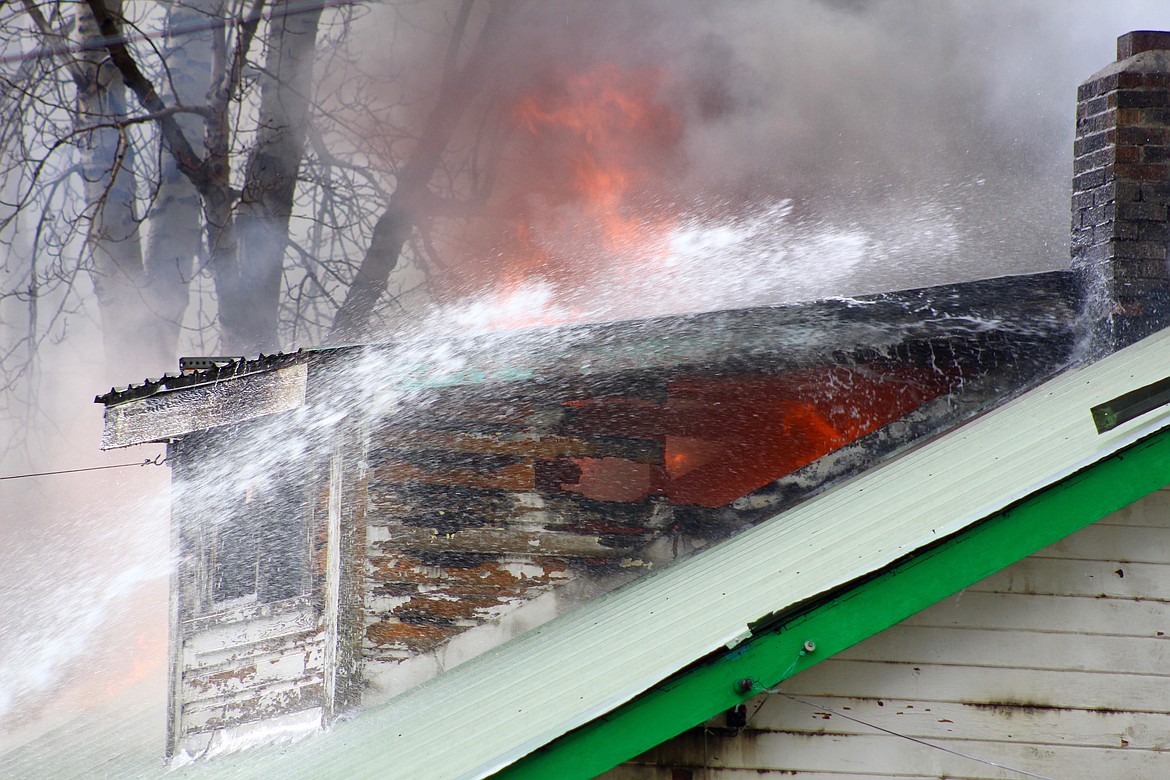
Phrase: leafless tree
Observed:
(222, 174)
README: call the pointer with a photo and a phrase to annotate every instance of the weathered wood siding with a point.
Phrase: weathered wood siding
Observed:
(481, 501)
(342, 552)
(233, 400)
(249, 665)
(251, 639)
(468, 514)
(1058, 666)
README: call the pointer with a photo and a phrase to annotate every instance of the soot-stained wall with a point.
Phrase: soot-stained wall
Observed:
(493, 498)
(341, 537)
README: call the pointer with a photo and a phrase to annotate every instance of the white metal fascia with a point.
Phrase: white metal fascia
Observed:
(480, 717)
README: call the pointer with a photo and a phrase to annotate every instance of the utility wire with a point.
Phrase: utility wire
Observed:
(906, 736)
(191, 28)
(157, 461)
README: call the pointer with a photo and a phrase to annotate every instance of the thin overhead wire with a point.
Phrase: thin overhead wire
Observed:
(859, 721)
(156, 461)
(190, 28)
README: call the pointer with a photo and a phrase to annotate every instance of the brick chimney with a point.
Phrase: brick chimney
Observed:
(1121, 191)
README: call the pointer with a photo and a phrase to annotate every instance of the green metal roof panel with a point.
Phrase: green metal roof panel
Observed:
(484, 715)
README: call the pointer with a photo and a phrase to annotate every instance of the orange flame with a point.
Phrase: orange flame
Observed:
(607, 123)
(594, 143)
(727, 436)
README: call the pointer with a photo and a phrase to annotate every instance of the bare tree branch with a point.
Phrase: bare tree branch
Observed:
(174, 138)
(396, 223)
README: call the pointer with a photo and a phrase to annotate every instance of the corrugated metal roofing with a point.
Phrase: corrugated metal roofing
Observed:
(238, 367)
(479, 717)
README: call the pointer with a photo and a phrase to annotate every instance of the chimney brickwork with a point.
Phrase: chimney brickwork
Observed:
(1121, 193)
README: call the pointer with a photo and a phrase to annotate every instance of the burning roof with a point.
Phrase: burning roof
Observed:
(1037, 310)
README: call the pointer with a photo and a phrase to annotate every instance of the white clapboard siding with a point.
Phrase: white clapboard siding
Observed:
(1070, 577)
(260, 674)
(648, 772)
(204, 638)
(1058, 665)
(954, 720)
(223, 659)
(276, 699)
(845, 753)
(1024, 687)
(246, 665)
(1139, 544)
(1152, 511)
(1071, 614)
(917, 645)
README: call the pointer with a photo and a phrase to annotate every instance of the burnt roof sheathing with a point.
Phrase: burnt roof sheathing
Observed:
(1029, 307)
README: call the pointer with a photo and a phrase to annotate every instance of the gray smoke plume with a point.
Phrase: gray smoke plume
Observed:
(896, 143)
(821, 147)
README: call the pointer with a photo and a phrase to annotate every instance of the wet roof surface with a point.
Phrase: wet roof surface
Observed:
(495, 708)
(1033, 306)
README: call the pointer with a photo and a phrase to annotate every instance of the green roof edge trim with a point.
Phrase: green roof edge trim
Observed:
(852, 614)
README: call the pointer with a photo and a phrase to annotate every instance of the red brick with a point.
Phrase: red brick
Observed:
(1128, 116)
(1129, 154)
(1138, 98)
(1129, 210)
(1126, 79)
(1141, 172)
(1154, 154)
(1140, 136)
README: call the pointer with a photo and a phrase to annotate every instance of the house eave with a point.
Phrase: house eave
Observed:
(781, 647)
(167, 414)
(855, 550)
